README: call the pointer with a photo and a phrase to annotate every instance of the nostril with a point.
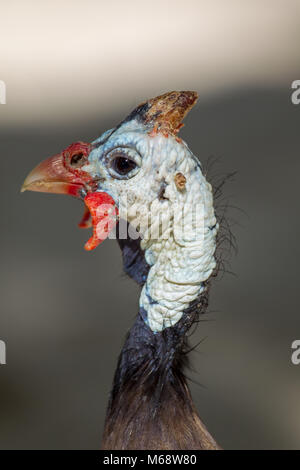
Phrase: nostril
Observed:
(77, 160)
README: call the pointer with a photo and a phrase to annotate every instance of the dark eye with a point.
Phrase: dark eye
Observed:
(123, 163)
(77, 160)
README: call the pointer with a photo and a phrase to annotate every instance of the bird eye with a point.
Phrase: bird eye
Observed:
(123, 163)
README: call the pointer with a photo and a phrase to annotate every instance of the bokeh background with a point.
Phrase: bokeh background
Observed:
(75, 68)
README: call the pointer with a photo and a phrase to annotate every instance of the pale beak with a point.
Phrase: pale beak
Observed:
(51, 176)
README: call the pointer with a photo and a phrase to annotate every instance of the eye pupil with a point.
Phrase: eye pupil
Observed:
(123, 162)
(77, 159)
(123, 165)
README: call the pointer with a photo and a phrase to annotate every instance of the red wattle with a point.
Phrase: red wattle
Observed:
(104, 215)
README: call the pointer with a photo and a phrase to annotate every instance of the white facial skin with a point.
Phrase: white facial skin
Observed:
(178, 225)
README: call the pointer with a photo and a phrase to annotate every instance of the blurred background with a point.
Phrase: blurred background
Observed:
(73, 69)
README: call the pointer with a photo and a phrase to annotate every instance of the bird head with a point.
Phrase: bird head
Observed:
(141, 172)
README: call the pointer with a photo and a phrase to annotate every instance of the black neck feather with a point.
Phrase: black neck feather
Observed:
(150, 403)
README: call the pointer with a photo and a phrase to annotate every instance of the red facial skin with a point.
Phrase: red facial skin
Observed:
(63, 174)
(79, 177)
(100, 207)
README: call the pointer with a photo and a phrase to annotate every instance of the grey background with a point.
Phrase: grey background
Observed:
(75, 69)
(64, 312)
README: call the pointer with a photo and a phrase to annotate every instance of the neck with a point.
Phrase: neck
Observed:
(150, 405)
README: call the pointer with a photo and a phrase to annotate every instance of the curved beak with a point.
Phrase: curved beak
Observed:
(51, 176)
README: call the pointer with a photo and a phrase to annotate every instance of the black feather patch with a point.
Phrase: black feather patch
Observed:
(150, 405)
(134, 262)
